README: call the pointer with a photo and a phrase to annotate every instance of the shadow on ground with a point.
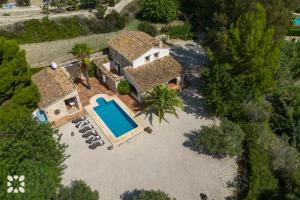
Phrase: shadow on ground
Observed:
(189, 54)
(193, 58)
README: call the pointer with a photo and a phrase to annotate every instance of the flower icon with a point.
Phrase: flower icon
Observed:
(15, 179)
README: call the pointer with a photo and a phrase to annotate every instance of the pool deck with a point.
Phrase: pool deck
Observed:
(106, 131)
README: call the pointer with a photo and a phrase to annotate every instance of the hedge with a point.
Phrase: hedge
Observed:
(294, 31)
(183, 32)
(33, 31)
(148, 28)
(124, 87)
(262, 183)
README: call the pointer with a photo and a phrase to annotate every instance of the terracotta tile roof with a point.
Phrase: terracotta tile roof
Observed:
(99, 62)
(53, 85)
(158, 72)
(133, 44)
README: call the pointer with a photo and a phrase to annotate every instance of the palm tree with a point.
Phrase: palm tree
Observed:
(161, 100)
(82, 51)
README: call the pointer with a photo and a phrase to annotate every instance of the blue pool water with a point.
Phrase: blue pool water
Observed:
(40, 115)
(297, 21)
(115, 118)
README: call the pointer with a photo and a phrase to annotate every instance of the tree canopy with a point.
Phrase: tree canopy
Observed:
(29, 148)
(246, 69)
(15, 75)
(159, 10)
(77, 190)
(161, 100)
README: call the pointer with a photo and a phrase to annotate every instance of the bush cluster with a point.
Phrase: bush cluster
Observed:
(294, 31)
(34, 30)
(183, 32)
(148, 28)
(124, 87)
(262, 183)
(219, 141)
(158, 10)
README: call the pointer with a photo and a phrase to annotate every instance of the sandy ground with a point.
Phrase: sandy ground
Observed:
(157, 161)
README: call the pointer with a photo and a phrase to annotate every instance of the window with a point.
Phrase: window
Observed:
(156, 55)
(147, 58)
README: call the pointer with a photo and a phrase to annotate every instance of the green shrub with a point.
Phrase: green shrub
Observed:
(114, 21)
(294, 31)
(77, 190)
(124, 87)
(100, 11)
(88, 4)
(262, 183)
(183, 32)
(112, 3)
(33, 31)
(92, 70)
(219, 141)
(159, 10)
(148, 28)
(297, 10)
(6, 14)
(28, 97)
(146, 195)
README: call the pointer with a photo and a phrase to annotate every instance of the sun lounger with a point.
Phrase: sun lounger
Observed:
(89, 133)
(96, 144)
(86, 128)
(78, 124)
(78, 119)
(93, 139)
(85, 122)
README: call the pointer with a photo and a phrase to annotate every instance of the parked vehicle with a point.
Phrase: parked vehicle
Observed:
(86, 128)
(89, 133)
(75, 121)
(93, 139)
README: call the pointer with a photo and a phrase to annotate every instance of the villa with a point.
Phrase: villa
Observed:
(60, 101)
(142, 60)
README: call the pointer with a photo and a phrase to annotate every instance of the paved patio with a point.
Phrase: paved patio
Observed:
(157, 161)
(99, 88)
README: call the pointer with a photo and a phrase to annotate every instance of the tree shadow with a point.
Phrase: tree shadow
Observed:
(190, 143)
(194, 102)
(189, 55)
(193, 58)
(149, 116)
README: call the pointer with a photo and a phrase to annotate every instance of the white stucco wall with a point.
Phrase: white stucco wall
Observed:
(141, 60)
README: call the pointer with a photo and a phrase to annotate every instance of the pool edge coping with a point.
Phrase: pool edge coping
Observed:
(104, 128)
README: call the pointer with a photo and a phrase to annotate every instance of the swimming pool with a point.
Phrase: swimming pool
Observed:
(297, 21)
(40, 115)
(115, 118)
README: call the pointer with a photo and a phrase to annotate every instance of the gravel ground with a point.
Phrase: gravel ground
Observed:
(42, 54)
(157, 161)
